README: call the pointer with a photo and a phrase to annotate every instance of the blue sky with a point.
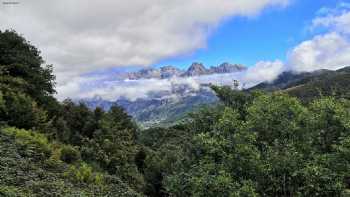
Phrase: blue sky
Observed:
(267, 36)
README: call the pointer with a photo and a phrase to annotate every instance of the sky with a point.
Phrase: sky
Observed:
(267, 36)
(89, 42)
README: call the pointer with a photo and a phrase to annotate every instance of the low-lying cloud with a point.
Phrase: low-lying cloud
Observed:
(112, 90)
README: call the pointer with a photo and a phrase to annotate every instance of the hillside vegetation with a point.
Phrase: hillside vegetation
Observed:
(250, 144)
(308, 86)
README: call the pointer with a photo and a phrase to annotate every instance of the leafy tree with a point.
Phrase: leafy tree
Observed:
(22, 60)
(224, 159)
(329, 122)
(236, 99)
(21, 111)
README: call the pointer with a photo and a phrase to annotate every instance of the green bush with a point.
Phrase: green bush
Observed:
(83, 174)
(9, 191)
(30, 143)
(21, 111)
(69, 154)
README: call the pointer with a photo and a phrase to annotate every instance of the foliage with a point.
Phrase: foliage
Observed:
(22, 60)
(233, 98)
(69, 154)
(163, 155)
(273, 151)
(83, 174)
(330, 122)
(30, 143)
(25, 175)
(21, 111)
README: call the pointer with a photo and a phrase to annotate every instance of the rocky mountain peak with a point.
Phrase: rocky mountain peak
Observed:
(196, 69)
(227, 68)
(146, 73)
(168, 68)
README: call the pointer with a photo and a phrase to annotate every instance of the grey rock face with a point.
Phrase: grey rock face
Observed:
(196, 69)
(146, 73)
(227, 68)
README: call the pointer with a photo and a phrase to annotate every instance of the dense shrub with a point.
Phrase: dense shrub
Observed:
(10, 191)
(31, 144)
(83, 173)
(21, 111)
(69, 154)
(26, 176)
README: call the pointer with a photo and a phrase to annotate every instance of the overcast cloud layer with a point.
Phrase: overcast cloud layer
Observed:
(79, 36)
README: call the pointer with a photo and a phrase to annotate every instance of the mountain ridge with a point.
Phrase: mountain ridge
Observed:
(195, 69)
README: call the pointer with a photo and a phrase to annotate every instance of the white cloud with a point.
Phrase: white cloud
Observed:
(81, 36)
(75, 86)
(260, 72)
(263, 71)
(111, 90)
(330, 50)
(339, 22)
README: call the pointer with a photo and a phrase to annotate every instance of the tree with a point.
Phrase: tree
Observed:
(22, 60)
(224, 161)
(21, 111)
(329, 122)
(236, 99)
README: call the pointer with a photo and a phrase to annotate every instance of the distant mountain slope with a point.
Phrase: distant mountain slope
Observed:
(289, 79)
(313, 84)
(171, 105)
(154, 111)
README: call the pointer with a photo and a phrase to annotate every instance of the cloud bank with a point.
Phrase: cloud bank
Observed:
(329, 51)
(111, 89)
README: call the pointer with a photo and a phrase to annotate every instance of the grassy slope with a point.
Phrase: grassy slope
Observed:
(27, 169)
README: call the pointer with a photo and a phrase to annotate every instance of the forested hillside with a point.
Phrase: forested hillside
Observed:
(250, 144)
(310, 85)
